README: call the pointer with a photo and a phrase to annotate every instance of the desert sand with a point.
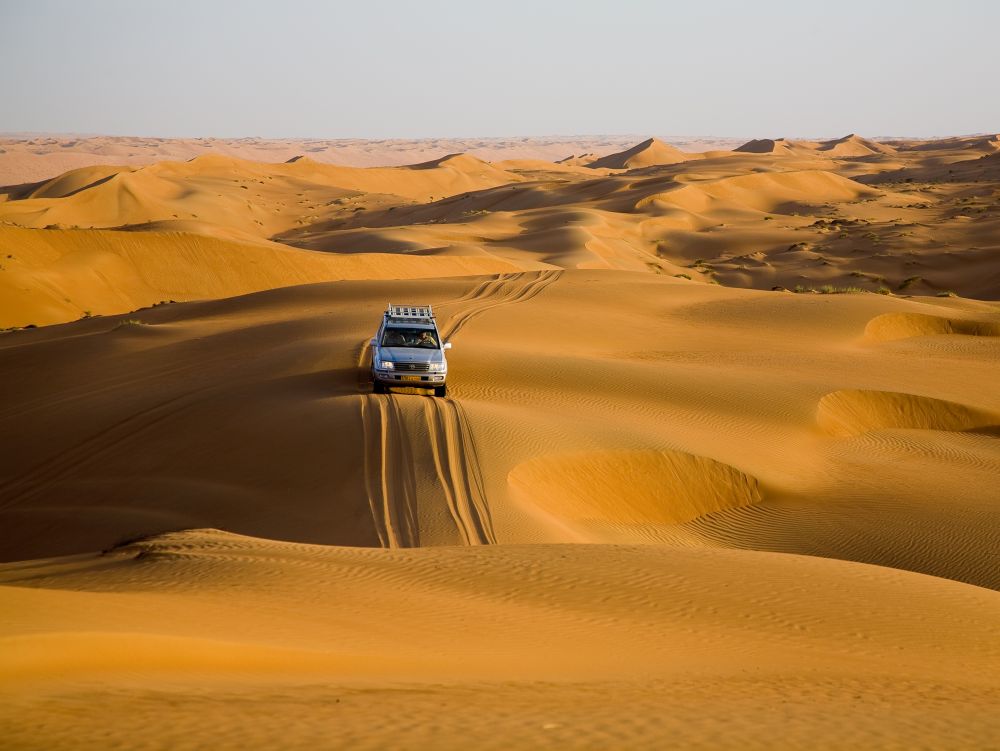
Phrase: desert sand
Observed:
(30, 157)
(718, 466)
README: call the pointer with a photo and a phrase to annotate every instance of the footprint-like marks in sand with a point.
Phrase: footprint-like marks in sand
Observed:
(891, 326)
(632, 487)
(855, 412)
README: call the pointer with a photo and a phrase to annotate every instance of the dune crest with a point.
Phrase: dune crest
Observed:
(632, 487)
(854, 145)
(892, 326)
(761, 192)
(649, 153)
(64, 275)
(852, 412)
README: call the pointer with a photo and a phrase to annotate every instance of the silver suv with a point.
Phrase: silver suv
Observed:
(407, 350)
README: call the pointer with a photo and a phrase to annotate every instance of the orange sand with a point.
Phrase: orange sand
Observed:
(654, 511)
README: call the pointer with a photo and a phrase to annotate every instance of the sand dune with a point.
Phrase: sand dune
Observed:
(30, 158)
(845, 413)
(59, 275)
(685, 366)
(646, 154)
(770, 192)
(560, 644)
(660, 487)
(662, 505)
(826, 223)
(904, 325)
(777, 146)
(191, 190)
(854, 145)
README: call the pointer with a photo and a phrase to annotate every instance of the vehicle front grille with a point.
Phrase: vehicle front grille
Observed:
(413, 366)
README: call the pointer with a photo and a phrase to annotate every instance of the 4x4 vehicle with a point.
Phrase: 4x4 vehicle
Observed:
(407, 350)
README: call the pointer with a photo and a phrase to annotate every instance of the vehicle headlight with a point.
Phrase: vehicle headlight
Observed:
(386, 365)
(437, 367)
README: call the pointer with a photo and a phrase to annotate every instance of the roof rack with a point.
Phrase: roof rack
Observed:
(409, 312)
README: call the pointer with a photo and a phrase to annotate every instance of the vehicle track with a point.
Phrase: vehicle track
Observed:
(364, 364)
(506, 289)
(457, 463)
(51, 471)
(390, 482)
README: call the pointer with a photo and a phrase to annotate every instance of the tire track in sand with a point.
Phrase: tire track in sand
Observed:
(389, 480)
(504, 290)
(457, 463)
(63, 466)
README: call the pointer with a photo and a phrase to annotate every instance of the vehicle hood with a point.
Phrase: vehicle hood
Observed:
(410, 354)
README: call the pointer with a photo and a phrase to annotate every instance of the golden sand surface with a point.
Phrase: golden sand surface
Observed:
(718, 466)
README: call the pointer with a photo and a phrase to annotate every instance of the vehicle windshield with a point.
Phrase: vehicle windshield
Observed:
(407, 337)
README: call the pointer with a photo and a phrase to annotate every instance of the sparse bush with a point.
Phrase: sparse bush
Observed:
(128, 323)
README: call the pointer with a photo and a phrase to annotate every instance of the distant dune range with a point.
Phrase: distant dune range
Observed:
(33, 157)
(849, 213)
(718, 463)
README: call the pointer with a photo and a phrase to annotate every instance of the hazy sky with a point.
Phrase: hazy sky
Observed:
(374, 69)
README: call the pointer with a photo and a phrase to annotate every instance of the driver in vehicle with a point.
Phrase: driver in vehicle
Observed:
(427, 340)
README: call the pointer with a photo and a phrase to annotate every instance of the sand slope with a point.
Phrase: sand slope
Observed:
(524, 646)
(521, 454)
(55, 275)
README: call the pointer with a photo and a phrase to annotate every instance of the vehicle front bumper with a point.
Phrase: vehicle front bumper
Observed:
(420, 380)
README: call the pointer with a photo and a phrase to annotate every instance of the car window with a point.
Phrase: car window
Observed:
(399, 336)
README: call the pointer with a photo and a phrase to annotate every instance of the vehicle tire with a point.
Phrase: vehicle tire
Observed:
(440, 390)
(377, 388)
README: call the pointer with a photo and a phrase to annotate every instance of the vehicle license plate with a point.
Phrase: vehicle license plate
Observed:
(411, 378)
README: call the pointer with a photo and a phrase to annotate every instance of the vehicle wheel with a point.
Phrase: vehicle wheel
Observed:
(377, 388)
(440, 390)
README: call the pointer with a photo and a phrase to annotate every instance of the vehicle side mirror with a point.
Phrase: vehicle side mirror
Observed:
(446, 345)
(373, 342)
